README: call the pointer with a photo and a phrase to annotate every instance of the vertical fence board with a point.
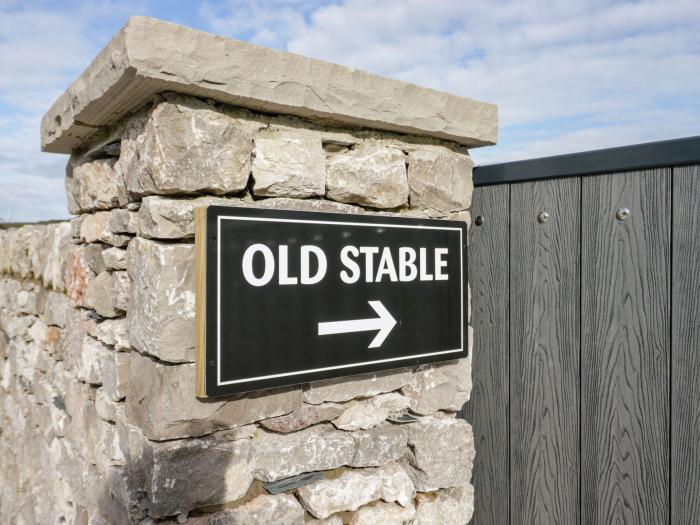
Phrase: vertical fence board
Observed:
(685, 367)
(625, 348)
(487, 408)
(544, 352)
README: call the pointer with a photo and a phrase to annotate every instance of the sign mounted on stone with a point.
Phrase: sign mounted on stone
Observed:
(287, 297)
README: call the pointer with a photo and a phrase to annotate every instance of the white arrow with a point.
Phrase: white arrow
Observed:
(384, 323)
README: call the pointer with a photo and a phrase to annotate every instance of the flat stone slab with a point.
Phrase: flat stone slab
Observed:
(149, 56)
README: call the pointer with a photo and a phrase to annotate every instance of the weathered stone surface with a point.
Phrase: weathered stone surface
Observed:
(186, 146)
(445, 506)
(53, 307)
(321, 447)
(440, 453)
(370, 412)
(254, 77)
(368, 175)
(289, 163)
(303, 417)
(384, 513)
(364, 385)
(440, 179)
(354, 488)
(114, 258)
(123, 221)
(108, 293)
(161, 400)
(281, 509)
(94, 186)
(97, 227)
(379, 445)
(333, 520)
(191, 473)
(160, 314)
(115, 375)
(444, 386)
(83, 264)
(112, 332)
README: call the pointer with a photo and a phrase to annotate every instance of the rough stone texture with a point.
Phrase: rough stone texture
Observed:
(289, 163)
(440, 453)
(373, 176)
(440, 179)
(303, 417)
(108, 293)
(364, 385)
(440, 387)
(446, 506)
(379, 445)
(187, 146)
(333, 520)
(370, 412)
(282, 509)
(230, 71)
(114, 258)
(83, 263)
(279, 456)
(98, 227)
(384, 513)
(94, 186)
(161, 400)
(161, 306)
(112, 332)
(355, 488)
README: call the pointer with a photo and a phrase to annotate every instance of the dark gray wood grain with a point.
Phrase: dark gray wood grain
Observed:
(685, 343)
(487, 409)
(625, 336)
(544, 352)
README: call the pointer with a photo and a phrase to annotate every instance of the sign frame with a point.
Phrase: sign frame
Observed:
(207, 249)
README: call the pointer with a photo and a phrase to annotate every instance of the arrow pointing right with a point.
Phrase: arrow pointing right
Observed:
(384, 323)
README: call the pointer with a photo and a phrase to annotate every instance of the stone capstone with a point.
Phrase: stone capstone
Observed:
(288, 163)
(160, 314)
(368, 175)
(354, 488)
(186, 146)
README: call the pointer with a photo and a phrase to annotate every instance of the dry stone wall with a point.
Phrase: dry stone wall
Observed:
(99, 419)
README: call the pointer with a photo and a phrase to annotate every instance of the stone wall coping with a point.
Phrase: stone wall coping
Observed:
(149, 56)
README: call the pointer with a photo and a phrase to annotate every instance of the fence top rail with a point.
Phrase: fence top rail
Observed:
(664, 153)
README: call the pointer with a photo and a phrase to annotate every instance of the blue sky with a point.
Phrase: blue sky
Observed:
(567, 76)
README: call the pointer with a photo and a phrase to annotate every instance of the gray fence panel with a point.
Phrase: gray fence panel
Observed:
(487, 408)
(544, 352)
(625, 348)
(685, 380)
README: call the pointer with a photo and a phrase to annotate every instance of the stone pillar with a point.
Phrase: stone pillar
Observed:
(98, 374)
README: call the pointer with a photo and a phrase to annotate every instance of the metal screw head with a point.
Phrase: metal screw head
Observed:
(542, 217)
(622, 214)
(479, 220)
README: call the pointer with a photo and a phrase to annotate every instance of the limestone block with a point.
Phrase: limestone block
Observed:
(191, 473)
(57, 243)
(440, 453)
(92, 357)
(368, 175)
(370, 412)
(114, 258)
(123, 221)
(115, 375)
(160, 315)
(288, 163)
(186, 146)
(112, 332)
(83, 263)
(444, 386)
(167, 218)
(97, 227)
(94, 186)
(320, 447)
(161, 400)
(454, 505)
(281, 509)
(303, 417)
(320, 205)
(363, 385)
(384, 513)
(354, 488)
(333, 520)
(379, 445)
(106, 409)
(108, 293)
(53, 307)
(440, 179)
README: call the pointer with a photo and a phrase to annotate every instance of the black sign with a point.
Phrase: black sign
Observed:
(289, 297)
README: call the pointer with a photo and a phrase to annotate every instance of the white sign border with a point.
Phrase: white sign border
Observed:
(336, 223)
